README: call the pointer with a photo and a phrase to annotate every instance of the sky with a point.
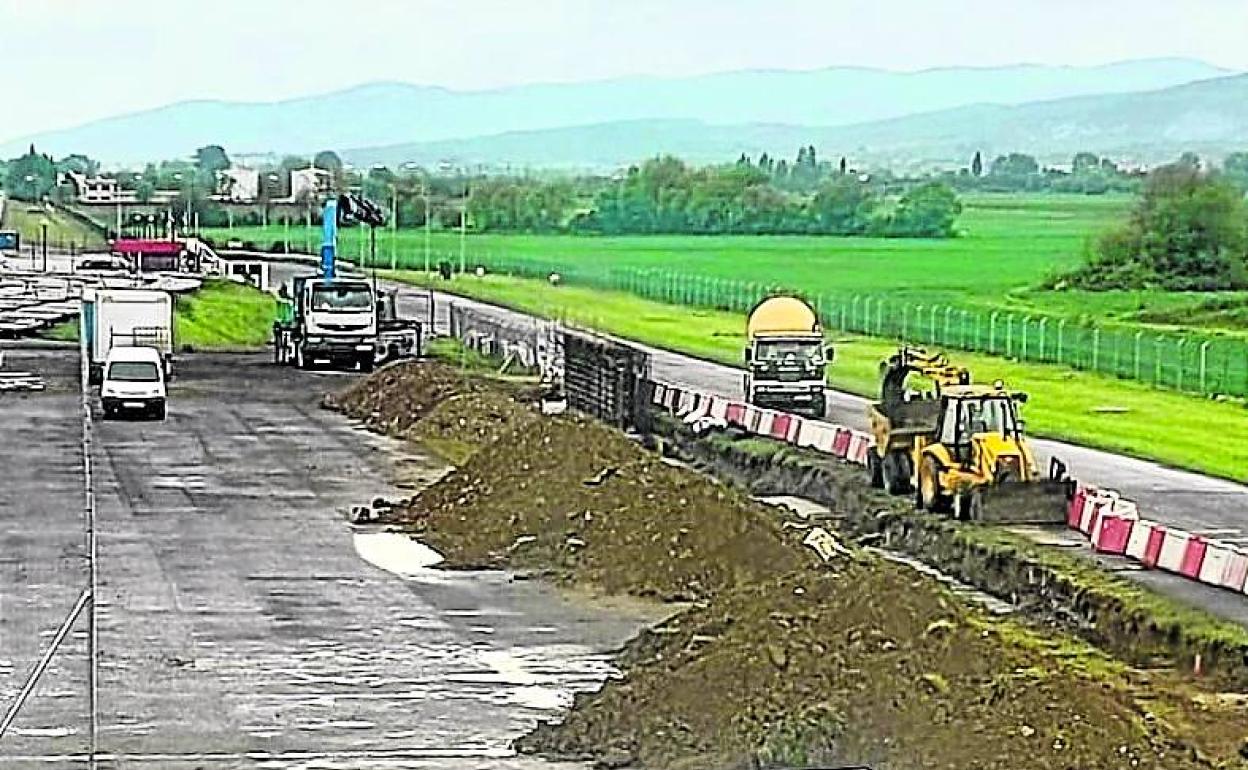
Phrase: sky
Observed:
(69, 61)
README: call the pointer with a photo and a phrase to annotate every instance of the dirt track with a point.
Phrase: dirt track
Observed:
(782, 659)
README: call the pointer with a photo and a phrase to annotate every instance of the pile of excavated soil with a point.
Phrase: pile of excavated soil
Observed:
(463, 423)
(780, 660)
(396, 398)
(857, 663)
(581, 502)
(452, 413)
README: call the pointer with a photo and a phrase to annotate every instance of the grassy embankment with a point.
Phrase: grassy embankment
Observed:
(64, 230)
(1088, 409)
(220, 316)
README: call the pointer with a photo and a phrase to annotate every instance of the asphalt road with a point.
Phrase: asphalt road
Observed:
(240, 625)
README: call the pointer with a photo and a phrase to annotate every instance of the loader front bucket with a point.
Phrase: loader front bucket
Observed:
(1023, 502)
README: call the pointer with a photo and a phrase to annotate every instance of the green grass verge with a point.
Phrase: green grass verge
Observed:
(1007, 246)
(222, 315)
(1093, 410)
(64, 230)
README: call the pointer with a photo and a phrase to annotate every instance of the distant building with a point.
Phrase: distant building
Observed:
(95, 189)
(239, 184)
(309, 183)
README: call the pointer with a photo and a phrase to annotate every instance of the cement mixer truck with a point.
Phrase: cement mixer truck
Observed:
(785, 357)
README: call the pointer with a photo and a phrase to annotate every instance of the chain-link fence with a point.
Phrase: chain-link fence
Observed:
(1196, 363)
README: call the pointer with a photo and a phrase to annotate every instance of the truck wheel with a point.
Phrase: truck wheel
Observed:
(930, 495)
(895, 469)
(819, 408)
(366, 363)
(158, 410)
(875, 470)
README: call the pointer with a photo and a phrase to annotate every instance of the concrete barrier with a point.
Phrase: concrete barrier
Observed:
(719, 408)
(859, 445)
(1194, 557)
(762, 426)
(1112, 532)
(840, 444)
(1173, 550)
(781, 423)
(1074, 509)
(734, 414)
(1217, 556)
(1145, 541)
(1235, 576)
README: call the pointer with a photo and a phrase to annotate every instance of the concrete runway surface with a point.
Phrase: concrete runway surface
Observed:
(239, 626)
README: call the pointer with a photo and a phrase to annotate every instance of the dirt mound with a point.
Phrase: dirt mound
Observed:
(781, 661)
(570, 497)
(397, 397)
(863, 663)
(462, 423)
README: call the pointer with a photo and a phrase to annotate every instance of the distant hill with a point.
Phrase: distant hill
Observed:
(392, 113)
(1209, 116)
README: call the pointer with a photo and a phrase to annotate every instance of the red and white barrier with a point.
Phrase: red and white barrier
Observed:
(1112, 533)
(1145, 542)
(1194, 557)
(1217, 556)
(1111, 523)
(1173, 549)
(840, 444)
(859, 445)
(1235, 575)
(781, 423)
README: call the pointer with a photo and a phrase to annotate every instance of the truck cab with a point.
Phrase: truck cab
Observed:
(335, 321)
(785, 357)
(134, 382)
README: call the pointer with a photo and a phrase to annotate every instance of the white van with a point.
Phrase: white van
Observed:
(134, 382)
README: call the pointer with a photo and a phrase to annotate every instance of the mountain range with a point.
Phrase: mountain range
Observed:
(924, 115)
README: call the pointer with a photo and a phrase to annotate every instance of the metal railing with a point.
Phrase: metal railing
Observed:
(1205, 364)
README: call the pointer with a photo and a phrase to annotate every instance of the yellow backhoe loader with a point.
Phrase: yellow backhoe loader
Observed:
(959, 447)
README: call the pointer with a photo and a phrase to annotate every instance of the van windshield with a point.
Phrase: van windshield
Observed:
(134, 371)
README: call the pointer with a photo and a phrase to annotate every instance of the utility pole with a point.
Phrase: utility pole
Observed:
(44, 245)
(463, 232)
(425, 191)
(394, 224)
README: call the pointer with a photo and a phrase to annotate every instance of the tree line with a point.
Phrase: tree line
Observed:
(665, 195)
(1187, 232)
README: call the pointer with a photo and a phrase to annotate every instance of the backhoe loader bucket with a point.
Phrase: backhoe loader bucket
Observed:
(1024, 502)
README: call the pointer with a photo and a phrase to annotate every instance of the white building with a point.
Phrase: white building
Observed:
(239, 184)
(309, 183)
(95, 189)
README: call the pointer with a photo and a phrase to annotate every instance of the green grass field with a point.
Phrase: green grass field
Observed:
(63, 230)
(1008, 246)
(938, 292)
(1088, 409)
(220, 316)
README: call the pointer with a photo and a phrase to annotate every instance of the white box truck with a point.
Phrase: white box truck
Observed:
(126, 317)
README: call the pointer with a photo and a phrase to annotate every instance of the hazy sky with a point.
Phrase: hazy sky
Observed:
(67, 61)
